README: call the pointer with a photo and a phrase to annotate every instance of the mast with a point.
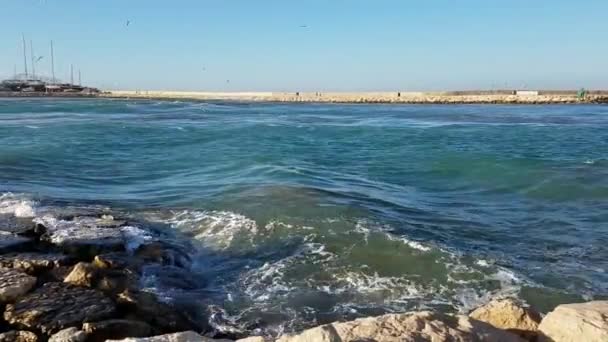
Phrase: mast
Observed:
(15, 73)
(79, 79)
(53, 63)
(33, 59)
(72, 74)
(24, 55)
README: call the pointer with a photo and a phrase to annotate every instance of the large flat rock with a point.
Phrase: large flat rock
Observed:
(33, 263)
(56, 306)
(14, 284)
(416, 327)
(586, 322)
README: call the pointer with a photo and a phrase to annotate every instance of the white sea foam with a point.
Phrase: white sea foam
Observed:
(17, 205)
(366, 227)
(217, 229)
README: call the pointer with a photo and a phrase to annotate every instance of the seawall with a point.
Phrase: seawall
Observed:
(472, 97)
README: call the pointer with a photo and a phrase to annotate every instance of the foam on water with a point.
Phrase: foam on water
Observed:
(17, 205)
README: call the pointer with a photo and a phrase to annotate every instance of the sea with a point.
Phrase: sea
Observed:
(300, 214)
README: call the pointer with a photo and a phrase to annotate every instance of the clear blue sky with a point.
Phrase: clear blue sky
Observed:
(347, 44)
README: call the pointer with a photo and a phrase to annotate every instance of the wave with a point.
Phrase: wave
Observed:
(17, 205)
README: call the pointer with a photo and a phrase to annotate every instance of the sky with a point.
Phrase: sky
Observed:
(313, 45)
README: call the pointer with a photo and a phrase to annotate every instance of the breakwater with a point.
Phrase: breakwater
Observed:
(461, 97)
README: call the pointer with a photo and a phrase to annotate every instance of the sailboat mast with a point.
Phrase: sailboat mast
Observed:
(33, 59)
(53, 63)
(72, 74)
(79, 79)
(24, 55)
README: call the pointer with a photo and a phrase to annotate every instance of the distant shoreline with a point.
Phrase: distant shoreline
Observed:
(463, 97)
(455, 97)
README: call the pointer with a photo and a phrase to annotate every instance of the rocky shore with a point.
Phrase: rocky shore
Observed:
(80, 281)
(481, 97)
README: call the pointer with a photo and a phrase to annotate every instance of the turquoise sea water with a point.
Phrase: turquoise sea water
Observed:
(298, 214)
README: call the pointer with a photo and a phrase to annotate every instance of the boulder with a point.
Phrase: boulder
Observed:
(252, 339)
(414, 327)
(12, 243)
(510, 315)
(18, 336)
(146, 306)
(69, 335)
(56, 306)
(33, 263)
(117, 260)
(116, 329)
(576, 322)
(187, 336)
(113, 281)
(85, 243)
(14, 284)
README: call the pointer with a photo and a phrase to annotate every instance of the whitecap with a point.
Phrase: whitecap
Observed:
(217, 229)
(17, 205)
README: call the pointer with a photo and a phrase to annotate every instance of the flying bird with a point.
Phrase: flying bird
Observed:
(303, 26)
(128, 22)
(39, 58)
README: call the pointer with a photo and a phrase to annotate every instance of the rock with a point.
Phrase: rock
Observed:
(14, 284)
(56, 306)
(18, 336)
(117, 260)
(33, 263)
(252, 339)
(69, 335)
(12, 243)
(116, 329)
(187, 336)
(113, 281)
(164, 253)
(83, 274)
(576, 322)
(147, 307)
(415, 327)
(21, 226)
(508, 314)
(85, 236)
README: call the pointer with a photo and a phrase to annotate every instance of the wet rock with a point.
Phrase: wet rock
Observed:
(21, 226)
(420, 326)
(510, 315)
(13, 243)
(116, 329)
(164, 254)
(14, 284)
(18, 336)
(576, 322)
(33, 263)
(85, 243)
(56, 306)
(69, 335)
(113, 281)
(117, 260)
(171, 277)
(164, 316)
(187, 336)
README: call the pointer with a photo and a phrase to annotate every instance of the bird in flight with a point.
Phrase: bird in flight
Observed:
(303, 26)
(39, 58)
(128, 22)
